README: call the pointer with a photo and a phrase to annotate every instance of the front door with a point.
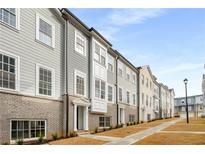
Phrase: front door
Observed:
(80, 117)
(121, 116)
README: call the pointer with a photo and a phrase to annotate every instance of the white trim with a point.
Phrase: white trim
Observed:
(80, 34)
(129, 97)
(38, 16)
(119, 94)
(38, 66)
(17, 27)
(27, 139)
(112, 93)
(99, 98)
(17, 69)
(83, 75)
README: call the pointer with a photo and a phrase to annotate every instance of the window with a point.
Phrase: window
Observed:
(27, 129)
(8, 71)
(150, 85)
(142, 98)
(133, 78)
(128, 73)
(120, 94)
(131, 118)
(128, 97)
(45, 80)
(150, 101)
(142, 79)
(110, 63)
(45, 31)
(147, 83)
(183, 109)
(147, 99)
(99, 89)
(104, 121)
(189, 108)
(80, 43)
(100, 54)
(9, 16)
(80, 79)
(120, 69)
(110, 93)
(134, 99)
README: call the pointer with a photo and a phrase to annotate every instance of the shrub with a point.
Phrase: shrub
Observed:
(134, 123)
(19, 142)
(40, 139)
(111, 127)
(55, 136)
(128, 124)
(96, 130)
(73, 134)
(141, 121)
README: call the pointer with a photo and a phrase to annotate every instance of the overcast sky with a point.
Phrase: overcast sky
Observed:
(171, 41)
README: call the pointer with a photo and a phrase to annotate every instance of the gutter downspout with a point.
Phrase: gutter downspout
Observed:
(66, 76)
(116, 84)
(138, 95)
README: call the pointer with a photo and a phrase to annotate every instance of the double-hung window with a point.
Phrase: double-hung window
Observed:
(9, 16)
(8, 71)
(45, 31)
(128, 74)
(110, 63)
(45, 80)
(120, 69)
(142, 79)
(131, 118)
(110, 93)
(147, 100)
(133, 78)
(104, 121)
(26, 129)
(128, 97)
(142, 98)
(120, 94)
(80, 43)
(100, 54)
(80, 80)
(134, 99)
(99, 89)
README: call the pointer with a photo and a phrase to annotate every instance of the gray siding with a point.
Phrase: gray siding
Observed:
(23, 43)
(76, 60)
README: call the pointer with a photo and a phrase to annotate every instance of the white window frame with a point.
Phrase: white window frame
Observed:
(83, 75)
(120, 67)
(17, 21)
(111, 62)
(80, 35)
(119, 94)
(183, 109)
(112, 93)
(134, 96)
(133, 79)
(105, 49)
(27, 139)
(100, 80)
(143, 78)
(127, 97)
(128, 73)
(38, 17)
(17, 69)
(38, 66)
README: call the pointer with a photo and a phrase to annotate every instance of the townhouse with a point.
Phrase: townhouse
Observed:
(57, 75)
(31, 73)
(146, 93)
(195, 106)
(203, 91)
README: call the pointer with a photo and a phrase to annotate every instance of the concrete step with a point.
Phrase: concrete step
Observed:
(83, 132)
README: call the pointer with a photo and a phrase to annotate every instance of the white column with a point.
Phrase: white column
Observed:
(75, 117)
(86, 117)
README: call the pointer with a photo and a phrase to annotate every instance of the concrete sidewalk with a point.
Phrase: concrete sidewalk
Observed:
(140, 135)
(104, 138)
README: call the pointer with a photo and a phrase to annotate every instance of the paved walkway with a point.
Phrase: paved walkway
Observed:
(187, 132)
(140, 135)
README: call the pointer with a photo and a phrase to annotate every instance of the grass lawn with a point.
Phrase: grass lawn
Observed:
(77, 141)
(195, 124)
(172, 139)
(123, 132)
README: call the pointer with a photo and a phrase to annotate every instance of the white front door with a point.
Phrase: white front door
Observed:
(80, 118)
(122, 119)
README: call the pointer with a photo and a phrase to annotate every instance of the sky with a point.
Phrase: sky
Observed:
(170, 41)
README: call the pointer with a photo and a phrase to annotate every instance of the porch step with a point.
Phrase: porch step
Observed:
(83, 132)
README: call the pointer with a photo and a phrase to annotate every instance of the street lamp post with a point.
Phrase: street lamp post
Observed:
(187, 113)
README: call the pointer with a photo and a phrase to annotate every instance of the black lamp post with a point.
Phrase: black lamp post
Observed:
(187, 113)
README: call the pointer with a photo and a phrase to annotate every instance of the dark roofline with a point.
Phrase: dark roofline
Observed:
(84, 25)
(120, 55)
